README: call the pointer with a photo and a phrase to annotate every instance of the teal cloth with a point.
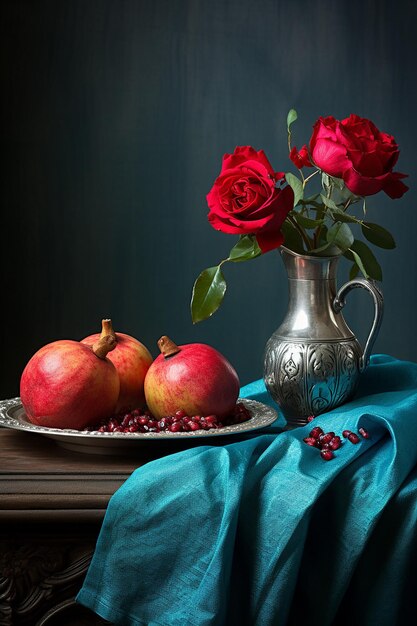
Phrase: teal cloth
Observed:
(263, 532)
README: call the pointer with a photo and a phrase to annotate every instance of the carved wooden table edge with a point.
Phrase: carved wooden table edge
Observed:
(52, 504)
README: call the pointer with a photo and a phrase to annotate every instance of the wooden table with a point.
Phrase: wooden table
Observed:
(52, 503)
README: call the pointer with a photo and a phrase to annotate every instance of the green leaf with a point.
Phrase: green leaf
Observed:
(291, 117)
(246, 248)
(296, 185)
(337, 182)
(311, 199)
(341, 236)
(329, 203)
(325, 180)
(208, 293)
(292, 238)
(378, 236)
(353, 256)
(340, 216)
(367, 260)
(354, 271)
(326, 248)
(306, 222)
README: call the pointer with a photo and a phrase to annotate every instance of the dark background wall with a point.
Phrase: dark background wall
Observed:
(115, 117)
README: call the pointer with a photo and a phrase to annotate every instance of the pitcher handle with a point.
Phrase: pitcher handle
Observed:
(340, 301)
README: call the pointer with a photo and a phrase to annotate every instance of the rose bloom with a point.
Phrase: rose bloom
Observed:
(300, 157)
(356, 151)
(244, 199)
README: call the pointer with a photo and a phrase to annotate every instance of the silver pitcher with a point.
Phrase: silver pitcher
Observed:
(313, 360)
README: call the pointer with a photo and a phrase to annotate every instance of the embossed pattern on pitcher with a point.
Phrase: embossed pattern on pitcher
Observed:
(312, 377)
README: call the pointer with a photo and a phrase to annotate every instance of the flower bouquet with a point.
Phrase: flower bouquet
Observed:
(349, 159)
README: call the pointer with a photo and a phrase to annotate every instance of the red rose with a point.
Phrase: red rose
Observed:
(355, 150)
(300, 158)
(244, 199)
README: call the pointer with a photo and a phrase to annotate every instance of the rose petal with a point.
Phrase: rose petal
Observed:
(330, 157)
(246, 154)
(300, 158)
(362, 185)
(393, 186)
(390, 183)
(269, 240)
(238, 227)
(368, 164)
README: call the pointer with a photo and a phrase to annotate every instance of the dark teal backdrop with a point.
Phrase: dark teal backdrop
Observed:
(115, 117)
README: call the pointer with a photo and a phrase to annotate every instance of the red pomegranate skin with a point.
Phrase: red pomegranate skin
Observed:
(131, 360)
(198, 379)
(65, 385)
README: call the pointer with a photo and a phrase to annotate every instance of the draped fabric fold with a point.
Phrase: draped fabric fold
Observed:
(264, 532)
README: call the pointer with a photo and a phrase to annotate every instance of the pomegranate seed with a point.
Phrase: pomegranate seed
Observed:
(327, 455)
(353, 438)
(364, 433)
(125, 420)
(139, 420)
(346, 433)
(316, 432)
(326, 437)
(335, 443)
(310, 441)
(310, 418)
(324, 446)
(240, 414)
(176, 427)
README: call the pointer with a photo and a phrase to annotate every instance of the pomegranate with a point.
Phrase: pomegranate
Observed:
(67, 384)
(194, 377)
(131, 360)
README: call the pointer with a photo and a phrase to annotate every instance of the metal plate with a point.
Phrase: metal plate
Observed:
(12, 415)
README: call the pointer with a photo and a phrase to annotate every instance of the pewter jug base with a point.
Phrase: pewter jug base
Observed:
(310, 378)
